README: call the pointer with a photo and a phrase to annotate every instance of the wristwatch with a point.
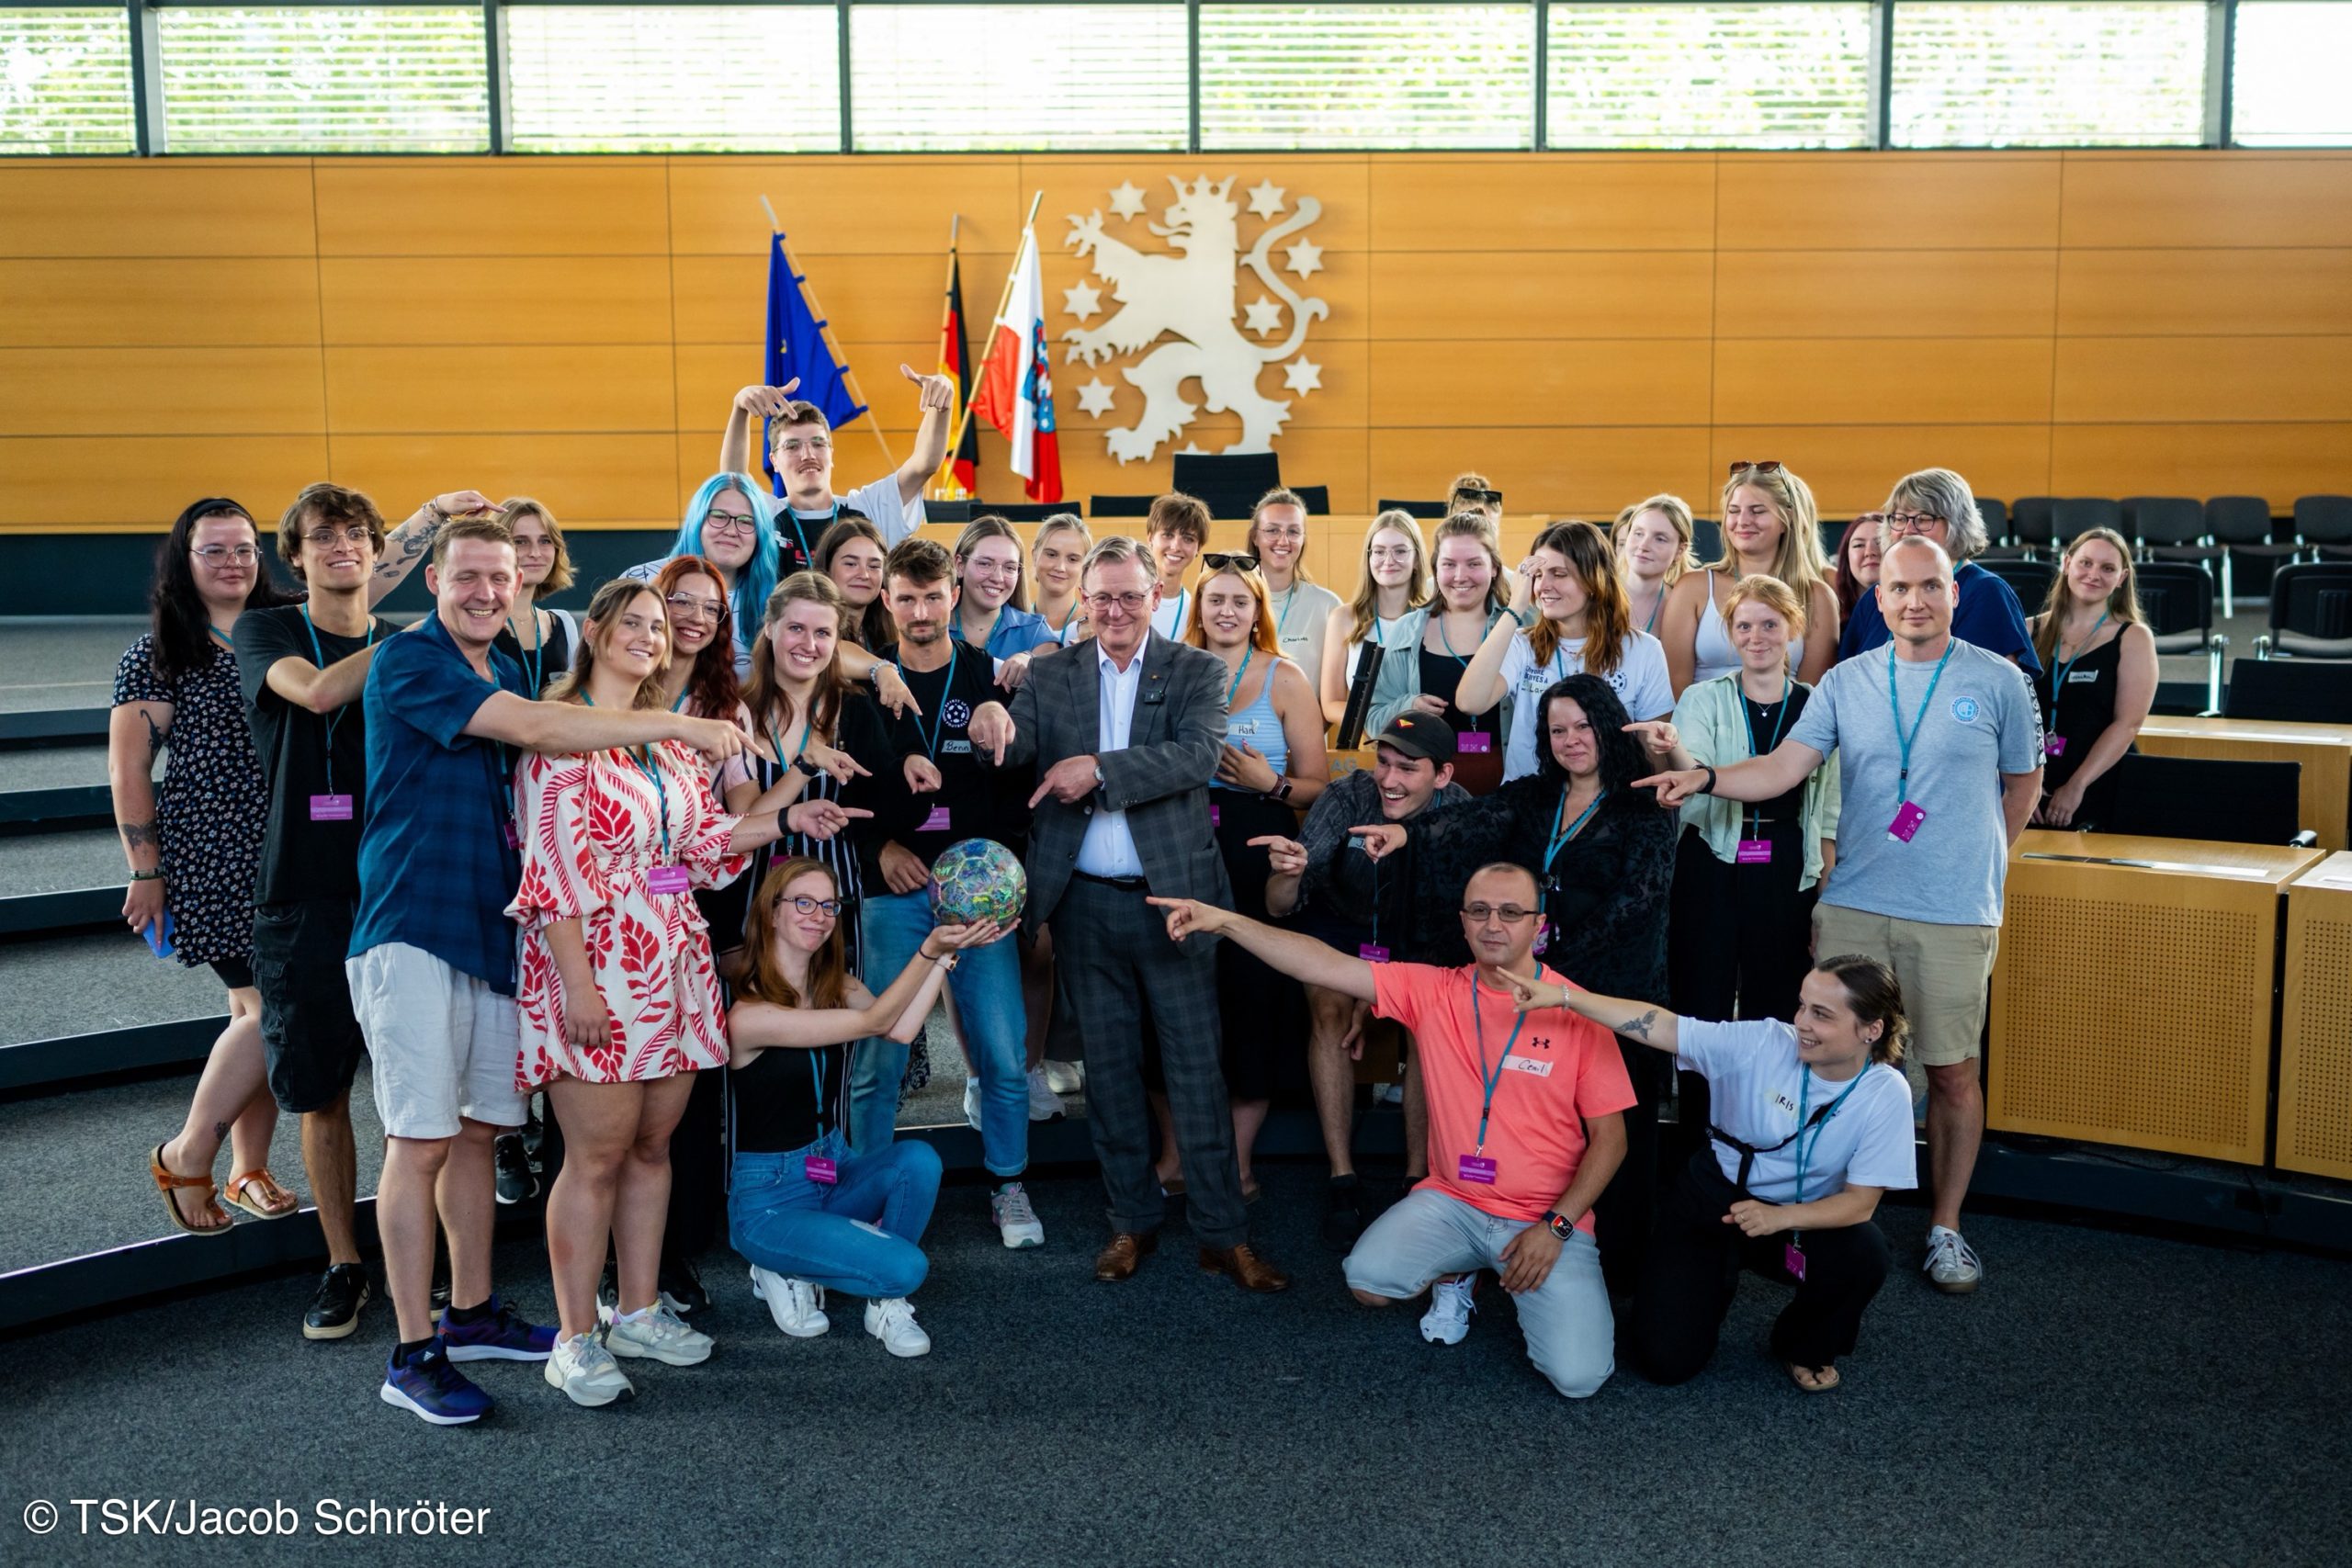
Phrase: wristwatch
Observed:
(1559, 1223)
(1280, 790)
(1098, 775)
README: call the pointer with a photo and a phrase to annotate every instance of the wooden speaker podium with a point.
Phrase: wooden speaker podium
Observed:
(2315, 1026)
(2132, 998)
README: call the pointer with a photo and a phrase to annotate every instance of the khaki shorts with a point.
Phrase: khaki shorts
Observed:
(1943, 970)
(442, 1044)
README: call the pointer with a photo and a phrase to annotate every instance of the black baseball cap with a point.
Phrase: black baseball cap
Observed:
(1420, 735)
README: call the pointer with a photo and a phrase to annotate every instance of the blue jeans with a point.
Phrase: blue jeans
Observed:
(859, 1234)
(987, 988)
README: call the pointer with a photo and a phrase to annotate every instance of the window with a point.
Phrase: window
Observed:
(2287, 86)
(2049, 74)
(1709, 75)
(65, 81)
(673, 79)
(1065, 77)
(1338, 77)
(325, 79)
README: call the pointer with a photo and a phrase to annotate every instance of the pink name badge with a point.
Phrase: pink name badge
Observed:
(1373, 953)
(668, 879)
(937, 821)
(1907, 821)
(330, 808)
(1217, 816)
(1474, 742)
(1792, 1259)
(514, 840)
(1474, 1170)
(2054, 745)
(1755, 851)
(823, 1172)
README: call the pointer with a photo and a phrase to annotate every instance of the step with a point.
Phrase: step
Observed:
(61, 862)
(23, 727)
(86, 985)
(53, 767)
(64, 663)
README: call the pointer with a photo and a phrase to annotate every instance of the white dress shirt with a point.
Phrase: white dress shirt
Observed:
(1109, 848)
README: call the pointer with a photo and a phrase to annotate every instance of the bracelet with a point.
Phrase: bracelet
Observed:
(1564, 999)
(1709, 787)
(154, 875)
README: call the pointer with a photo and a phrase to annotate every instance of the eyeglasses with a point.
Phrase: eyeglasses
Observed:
(792, 449)
(729, 522)
(1389, 553)
(1912, 521)
(217, 555)
(1482, 914)
(804, 905)
(685, 606)
(1126, 604)
(1744, 466)
(1230, 560)
(352, 533)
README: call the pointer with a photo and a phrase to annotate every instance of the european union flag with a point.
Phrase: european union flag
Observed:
(797, 348)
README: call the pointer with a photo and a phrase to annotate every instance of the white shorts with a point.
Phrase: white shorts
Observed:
(441, 1043)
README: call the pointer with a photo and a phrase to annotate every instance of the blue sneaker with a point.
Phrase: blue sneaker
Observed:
(500, 1336)
(429, 1387)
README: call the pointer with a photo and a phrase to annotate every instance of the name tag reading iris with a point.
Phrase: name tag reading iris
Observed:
(1907, 821)
(330, 808)
(668, 879)
(1478, 1171)
(1474, 742)
(1755, 851)
(937, 821)
(820, 1170)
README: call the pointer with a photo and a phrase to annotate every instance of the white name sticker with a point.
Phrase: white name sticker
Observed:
(1535, 1067)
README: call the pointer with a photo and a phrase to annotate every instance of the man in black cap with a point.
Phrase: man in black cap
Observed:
(1364, 908)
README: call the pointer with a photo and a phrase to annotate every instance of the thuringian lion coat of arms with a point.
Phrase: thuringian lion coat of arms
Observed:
(1189, 296)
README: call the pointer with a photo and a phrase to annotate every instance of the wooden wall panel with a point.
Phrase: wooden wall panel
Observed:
(1540, 202)
(1507, 295)
(106, 481)
(625, 480)
(1851, 468)
(495, 300)
(1885, 293)
(491, 206)
(1883, 201)
(535, 390)
(1589, 382)
(159, 392)
(97, 302)
(2112, 379)
(1862, 381)
(134, 209)
(1568, 472)
(2281, 461)
(845, 206)
(2145, 293)
(2201, 199)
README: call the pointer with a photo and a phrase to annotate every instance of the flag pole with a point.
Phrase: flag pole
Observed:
(832, 344)
(956, 440)
(947, 464)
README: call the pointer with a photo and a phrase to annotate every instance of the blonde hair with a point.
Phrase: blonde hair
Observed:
(992, 526)
(2122, 605)
(1479, 527)
(1063, 523)
(1262, 628)
(558, 574)
(1678, 514)
(1799, 561)
(1364, 609)
(1467, 482)
(601, 622)
(1771, 592)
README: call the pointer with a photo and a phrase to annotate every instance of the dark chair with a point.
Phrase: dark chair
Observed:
(1832, 535)
(1230, 482)
(2295, 691)
(1432, 510)
(2177, 598)
(2323, 522)
(1996, 518)
(1119, 505)
(2029, 579)
(1316, 498)
(1706, 539)
(2168, 528)
(2075, 516)
(1010, 511)
(2208, 797)
(2240, 526)
(2032, 521)
(2310, 612)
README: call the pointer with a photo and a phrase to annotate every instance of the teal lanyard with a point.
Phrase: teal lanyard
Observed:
(536, 658)
(1651, 625)
(680, 705)
(775, 744)
(982, 642)
(1238, 674)
(1182, 595)
(1804, 1095)
(1458, 659)
(939, 719)
(1905, 737)
(653, 774)
(229, 644)
(1061, 633)
(1560, 839)
(2058, 686)
(1375, 903)
(1491, 1079)
(335, 719)
(807, 555)
(1283, 619)
(1756, 812)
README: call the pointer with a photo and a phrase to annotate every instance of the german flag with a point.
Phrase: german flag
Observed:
(959, 478)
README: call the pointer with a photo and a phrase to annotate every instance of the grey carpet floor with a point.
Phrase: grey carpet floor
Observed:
(2105, 1399)
(59, 862)
(80, 985)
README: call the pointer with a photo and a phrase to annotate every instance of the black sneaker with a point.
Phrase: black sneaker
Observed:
(681, 1286)
(517, 1182)
(1342, 1212)
(334, 1307)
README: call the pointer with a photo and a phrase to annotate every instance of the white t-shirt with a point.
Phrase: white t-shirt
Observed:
(1302, 613)
(878, 502)
(1174, 610)
(1755, 1085)
(1639, 681)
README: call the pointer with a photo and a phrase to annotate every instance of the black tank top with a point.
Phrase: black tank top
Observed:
(1765, 725)
(1442, 677)
(2076, 716)
(785, 1099)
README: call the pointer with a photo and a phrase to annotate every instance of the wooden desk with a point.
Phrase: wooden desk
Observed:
(2315, 1024)
(2131, 999)
(2323, 749)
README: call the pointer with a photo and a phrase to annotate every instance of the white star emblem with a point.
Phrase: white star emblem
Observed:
(1094, 398)
(1306, 258)
(1265, 317)
(1303, 375)
(1127, 200)
(1082, 302)
(1266, 200)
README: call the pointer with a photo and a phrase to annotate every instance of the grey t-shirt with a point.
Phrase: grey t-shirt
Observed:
(1981, 723)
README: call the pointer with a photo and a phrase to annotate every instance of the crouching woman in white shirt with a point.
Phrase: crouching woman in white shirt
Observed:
(1811, 1124)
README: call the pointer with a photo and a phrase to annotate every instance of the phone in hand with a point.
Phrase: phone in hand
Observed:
(159, 935)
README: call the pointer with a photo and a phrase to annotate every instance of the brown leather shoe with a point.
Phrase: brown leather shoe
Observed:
(1119, 1260)
(1249, 1271)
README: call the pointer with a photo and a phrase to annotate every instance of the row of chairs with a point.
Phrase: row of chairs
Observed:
(2311, 604)
(2224, 528)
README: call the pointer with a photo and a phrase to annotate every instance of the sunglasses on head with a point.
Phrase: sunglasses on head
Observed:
(1485, 497)
(1742, 466)
(1230, 560)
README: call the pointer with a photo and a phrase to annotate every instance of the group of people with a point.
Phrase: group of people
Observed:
(1749, 817)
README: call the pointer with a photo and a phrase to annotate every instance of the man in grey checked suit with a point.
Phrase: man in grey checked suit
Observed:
(1124, 731)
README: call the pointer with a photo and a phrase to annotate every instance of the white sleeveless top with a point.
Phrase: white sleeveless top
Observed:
(1713, 654)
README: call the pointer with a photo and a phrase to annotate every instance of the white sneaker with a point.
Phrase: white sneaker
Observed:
(586, 1372)
(893, 1323)
(1953, 1266)
(1009, 1210)
(972, 1103)
(797, 1306)
(655, 1331)
(1448, 1320)
(1065, 1077)
(1045, 1105)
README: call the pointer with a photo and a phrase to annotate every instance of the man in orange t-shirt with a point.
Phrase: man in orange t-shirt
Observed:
(1525, 1128)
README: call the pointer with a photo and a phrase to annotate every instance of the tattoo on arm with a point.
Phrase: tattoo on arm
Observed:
(1639, 1028)
(139, 836)
(414, 540)
(156, 735)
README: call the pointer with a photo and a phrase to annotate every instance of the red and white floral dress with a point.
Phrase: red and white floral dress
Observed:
(592, 828)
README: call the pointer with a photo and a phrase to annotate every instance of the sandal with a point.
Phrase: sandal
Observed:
(166, 1183)
(1826, 1377)
(1252, 1192)
(258, 1194)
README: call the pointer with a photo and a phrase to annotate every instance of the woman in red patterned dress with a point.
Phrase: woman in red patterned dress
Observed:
(620, 1006)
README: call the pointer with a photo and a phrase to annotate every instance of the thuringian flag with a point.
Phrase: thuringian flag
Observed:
(1016, 387)
(960, 478)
